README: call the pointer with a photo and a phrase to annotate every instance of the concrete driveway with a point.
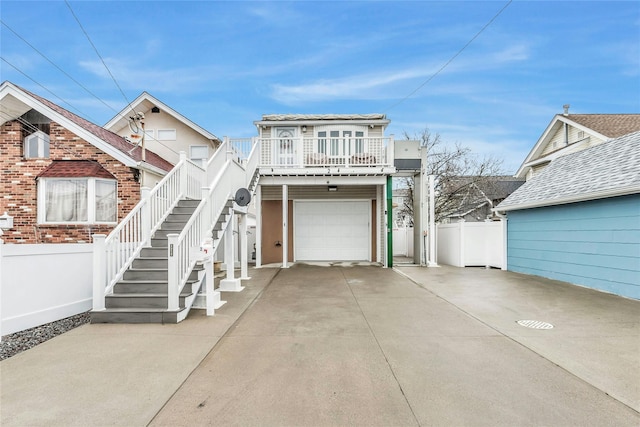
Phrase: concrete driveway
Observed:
(361, 345)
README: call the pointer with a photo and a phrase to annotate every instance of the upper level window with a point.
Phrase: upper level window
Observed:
(199, 153)
(167, 135)
(36, 145)
(35, 131)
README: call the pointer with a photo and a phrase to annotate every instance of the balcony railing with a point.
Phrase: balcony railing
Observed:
(323, 152)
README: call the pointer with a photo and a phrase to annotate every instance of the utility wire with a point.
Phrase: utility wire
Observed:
(42, 86)
(452, 58)
(57, 67)
(99, 56)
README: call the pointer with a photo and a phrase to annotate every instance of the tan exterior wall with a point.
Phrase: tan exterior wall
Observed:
(18, 185)
(169, 150)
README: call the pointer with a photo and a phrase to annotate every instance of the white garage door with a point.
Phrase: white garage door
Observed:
(332, 231)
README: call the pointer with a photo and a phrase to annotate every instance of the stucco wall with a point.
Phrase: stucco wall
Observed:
(594, 244)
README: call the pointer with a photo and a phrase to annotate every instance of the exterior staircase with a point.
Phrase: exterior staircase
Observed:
(141, 295)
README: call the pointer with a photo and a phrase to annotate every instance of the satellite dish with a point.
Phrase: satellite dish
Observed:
(243, 197)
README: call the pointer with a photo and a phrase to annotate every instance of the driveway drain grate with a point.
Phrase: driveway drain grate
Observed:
(535, 324)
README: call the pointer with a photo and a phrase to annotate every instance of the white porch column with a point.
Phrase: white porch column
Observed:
(230, 284)
(244, 250)
(285, 221)
(380, 202)
(259, 226)
(212, 297)
(385, 224)
(432, 222)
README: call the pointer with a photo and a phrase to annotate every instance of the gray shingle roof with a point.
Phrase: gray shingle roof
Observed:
(606, 170)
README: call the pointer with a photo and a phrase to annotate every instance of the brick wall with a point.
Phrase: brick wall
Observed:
(18, 187)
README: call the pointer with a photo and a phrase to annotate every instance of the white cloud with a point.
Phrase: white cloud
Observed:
(131, 74)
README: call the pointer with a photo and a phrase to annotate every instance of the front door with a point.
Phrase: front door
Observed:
(284, 152)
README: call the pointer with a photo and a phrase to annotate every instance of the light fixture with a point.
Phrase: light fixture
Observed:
(304, 129)
(333, 188)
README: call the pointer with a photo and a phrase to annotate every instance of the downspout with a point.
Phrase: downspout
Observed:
(389, 222)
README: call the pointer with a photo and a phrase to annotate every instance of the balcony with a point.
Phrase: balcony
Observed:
(343, 155)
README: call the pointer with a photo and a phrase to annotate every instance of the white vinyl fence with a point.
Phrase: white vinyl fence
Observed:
(469, 244)
(43, 283)
(403, 241)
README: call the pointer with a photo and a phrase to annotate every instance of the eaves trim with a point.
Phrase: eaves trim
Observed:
(624, 191)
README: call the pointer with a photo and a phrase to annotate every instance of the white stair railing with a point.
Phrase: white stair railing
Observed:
(113, 254)
(184, 248)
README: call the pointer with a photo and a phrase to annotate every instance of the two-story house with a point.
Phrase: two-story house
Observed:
(150, 123)
(322, 188)
(64, 178)
(568, 133)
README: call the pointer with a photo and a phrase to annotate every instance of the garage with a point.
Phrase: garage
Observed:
(332, 230)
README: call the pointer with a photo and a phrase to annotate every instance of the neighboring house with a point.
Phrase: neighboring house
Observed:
(568, 133)
(333, 172)
(166, 132)
(403, 207)
(578, 220)
(473, 198)
(63, 177)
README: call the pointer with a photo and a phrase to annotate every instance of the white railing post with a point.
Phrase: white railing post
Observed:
(173, 273)
(183, 177)
(99, 271)
(145, 215)
(244, 250)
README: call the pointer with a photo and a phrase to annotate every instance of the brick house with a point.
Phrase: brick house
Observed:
(64, 178)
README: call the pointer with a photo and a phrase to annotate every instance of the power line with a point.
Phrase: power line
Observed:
(99, 56)
(452, 58)
(41, 85)
(57, 67)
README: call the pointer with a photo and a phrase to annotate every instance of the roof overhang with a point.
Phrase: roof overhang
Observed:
(585, 197)
(558, 121)
(146, 102)
(322, 119)
(14, 97)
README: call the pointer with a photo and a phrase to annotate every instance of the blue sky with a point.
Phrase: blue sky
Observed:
(224, 64)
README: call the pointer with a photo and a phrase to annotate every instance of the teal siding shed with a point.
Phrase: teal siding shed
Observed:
(579, 220)
(594, 243)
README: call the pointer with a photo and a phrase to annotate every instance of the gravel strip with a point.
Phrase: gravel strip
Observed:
(15, 343)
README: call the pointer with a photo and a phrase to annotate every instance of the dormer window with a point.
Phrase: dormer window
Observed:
(36, 145)
(35, 130)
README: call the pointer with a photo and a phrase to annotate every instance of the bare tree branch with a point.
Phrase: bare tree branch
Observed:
(462, 178)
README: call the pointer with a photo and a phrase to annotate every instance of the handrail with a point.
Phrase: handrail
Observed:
(184, 246)
(115, 253)
(328, 151)
(252, 160)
